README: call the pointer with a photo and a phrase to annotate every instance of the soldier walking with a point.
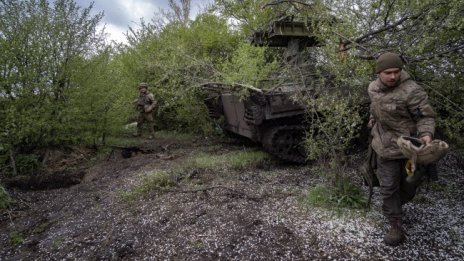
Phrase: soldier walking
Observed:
(399, 107)
(145, 105)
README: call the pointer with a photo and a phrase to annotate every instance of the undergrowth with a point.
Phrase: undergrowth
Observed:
(5, 199)
(161, 181)
(158, 181)
(344, 195)
(235, 160)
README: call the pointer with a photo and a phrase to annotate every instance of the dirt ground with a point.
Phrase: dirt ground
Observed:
(252, 214)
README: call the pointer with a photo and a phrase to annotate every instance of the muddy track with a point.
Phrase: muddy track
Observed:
(251, 214)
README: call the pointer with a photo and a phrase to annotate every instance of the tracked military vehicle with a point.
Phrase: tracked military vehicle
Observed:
(270, 117)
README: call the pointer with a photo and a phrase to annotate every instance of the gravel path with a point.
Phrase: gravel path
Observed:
(254, 214)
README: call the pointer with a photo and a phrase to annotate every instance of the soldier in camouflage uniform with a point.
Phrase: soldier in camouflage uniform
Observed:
(145, 105)
(399, 107)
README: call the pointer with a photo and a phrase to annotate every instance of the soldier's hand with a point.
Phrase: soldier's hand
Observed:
(426, 139)
(147, 108)
(371, 123)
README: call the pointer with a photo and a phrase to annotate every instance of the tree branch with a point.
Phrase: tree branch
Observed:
(435, 55)
(292, 2)
(370, 34)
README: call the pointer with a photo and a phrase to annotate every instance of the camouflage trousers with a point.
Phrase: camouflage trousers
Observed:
(394, 188)
(145, 118)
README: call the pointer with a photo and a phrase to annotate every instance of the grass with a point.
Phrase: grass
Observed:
(161, 181)
(16, 238)
(129, 140)
(421, 199)
(436, 186)
(343, 195)
(173, 135)
(158, 181)
(234, 160)
(5, 199)
(123, 141)
(40, 228)
(130, 129)
(197, 244)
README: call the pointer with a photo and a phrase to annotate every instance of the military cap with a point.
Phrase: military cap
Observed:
(143, 85)
(388, 60)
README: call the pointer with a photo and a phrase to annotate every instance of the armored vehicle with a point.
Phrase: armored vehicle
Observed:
(270, 117)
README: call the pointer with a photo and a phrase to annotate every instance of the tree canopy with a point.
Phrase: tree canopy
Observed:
(62, 84)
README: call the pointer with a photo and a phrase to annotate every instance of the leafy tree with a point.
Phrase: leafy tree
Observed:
(174, 60)
(247, 15)
(352, 34)
(248, 65)
(101, 101)
(45, 45)
(179, 11)
(428, 34)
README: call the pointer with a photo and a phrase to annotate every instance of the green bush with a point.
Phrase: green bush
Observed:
(154, 182)
(16, 238)
(5, 199)
(27, 164)
(343, 195)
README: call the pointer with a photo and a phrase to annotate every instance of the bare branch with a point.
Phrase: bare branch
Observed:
(181, 11)
(436, 55)
(292, 2)
(370, 34)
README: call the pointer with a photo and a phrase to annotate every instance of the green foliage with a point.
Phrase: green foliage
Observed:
(45, 46)
(5, 199)
(158, 181)
(161, 181)
(196, 244)
(249, 65)
(101, 101)
(428, 34)
(175, 135)
(248, 14)
(27, 164)
(437, 186)
(24, 164)
(236, 160)
(16, 238)
(40, 228)
(174, 62)
(338, 191)
(60, 84)
(343, 195)
(421, 199)
(335, 123)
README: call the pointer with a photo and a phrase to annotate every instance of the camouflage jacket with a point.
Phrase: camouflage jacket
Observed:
(403, 110)
(146, 102)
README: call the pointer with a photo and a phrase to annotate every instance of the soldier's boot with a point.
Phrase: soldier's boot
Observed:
(152, 132)
(139, 130)
(395, 235)
(152, 135)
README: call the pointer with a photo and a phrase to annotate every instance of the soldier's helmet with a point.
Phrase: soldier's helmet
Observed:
(143, 85)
